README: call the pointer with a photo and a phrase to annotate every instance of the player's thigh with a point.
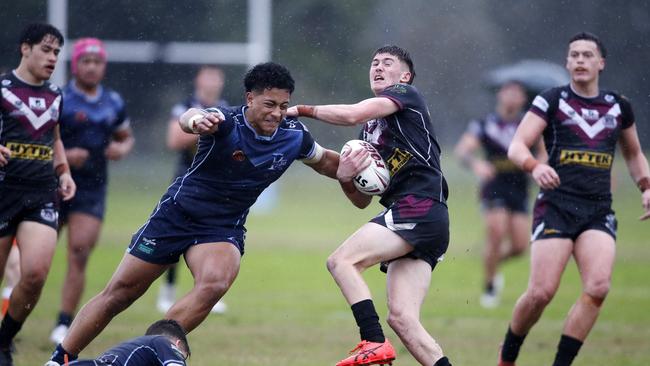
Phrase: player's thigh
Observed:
(372, 244)
(133, 276)
(211, 262)
(548, 259)
(595, 252)
(496, 222)
(407, 283)
(5, 248)
(36, 243)
(83, 231)
(519, 225)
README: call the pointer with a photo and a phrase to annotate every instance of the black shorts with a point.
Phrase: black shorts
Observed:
(18, 205)
(512, 197)
(422, 222)
(91, 202)
(563, 216)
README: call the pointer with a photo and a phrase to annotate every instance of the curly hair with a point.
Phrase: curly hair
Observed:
(268, 75)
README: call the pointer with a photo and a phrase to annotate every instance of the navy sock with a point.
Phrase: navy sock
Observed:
(511, 346)
(8, 331)
(567, 350)
(368, 321)
(59, 353)
(442, 362)
(171, 275)
(64, 319)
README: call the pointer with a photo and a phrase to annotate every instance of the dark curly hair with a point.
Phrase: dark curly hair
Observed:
(268, 75)
(35, 32)
(170, 328)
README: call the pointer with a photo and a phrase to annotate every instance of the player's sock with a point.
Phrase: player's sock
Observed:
(511, 346)
(442, 362)
(171, 275)
(368, 321)
(59, 353)
(8, 330)
(64, 319)
(489, 287)
(567, 350)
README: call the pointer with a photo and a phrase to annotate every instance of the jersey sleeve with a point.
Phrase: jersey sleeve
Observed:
(122, 121)
(309, 149)
(474, 128)
(627, 114)
(167, 352)
(403, 95)
(542, 104)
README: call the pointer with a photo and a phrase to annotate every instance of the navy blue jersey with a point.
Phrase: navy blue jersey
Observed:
(580, 137)
(28, 117)
(407, 142)
(154, 350)
(495, 136)
(185, 156)
(90, 122)
(234, 165)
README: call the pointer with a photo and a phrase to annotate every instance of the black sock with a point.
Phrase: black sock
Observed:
(8, 331)
(368, 321)
(567, 350)
(442, 362)
(171, 275)
(59, 353)
(489, 287)
(511, 346)
(64, 319)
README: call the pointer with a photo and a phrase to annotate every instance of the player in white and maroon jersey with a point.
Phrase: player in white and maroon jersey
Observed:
(31, 159)
(581, 125)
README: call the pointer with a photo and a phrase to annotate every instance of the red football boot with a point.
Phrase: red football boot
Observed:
(370, 353)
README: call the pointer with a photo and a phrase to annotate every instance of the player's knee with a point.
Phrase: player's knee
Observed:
(592, 300)
(540, 296)
(401, 321)
(211, 291)
(35, 278)
(596, 292)
(332, 263)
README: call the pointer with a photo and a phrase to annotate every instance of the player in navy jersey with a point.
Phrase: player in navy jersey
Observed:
(504, 187)
(581, 125)
(412, 234)
(164, 344)
(32, 157)
(208, 85)
(241, 151)
(94, 129)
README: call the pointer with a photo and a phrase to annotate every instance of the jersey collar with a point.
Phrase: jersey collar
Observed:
(88, 98)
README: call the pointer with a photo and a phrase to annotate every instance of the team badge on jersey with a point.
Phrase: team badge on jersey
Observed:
(238, 155)
(279, 162)
(397, 160)
(37, 104)
(49, 214)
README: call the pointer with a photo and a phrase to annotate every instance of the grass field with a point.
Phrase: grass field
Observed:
(284, 309)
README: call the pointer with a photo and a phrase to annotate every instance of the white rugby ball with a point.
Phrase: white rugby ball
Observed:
(374, 179)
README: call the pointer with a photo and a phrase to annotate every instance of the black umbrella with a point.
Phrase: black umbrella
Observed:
(534, 75)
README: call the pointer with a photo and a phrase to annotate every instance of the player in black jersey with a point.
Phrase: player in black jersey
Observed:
(32, 157)
(504, 187)
(581, 125)
(412, 234)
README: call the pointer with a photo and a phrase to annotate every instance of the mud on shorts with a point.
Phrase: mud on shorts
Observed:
(564, 216)
(421, 222)
(170, 232)
(18, 205)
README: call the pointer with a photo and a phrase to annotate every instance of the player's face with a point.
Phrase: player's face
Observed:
(91, 68)
(209, 84)
(41, 58)
(584, 61)
(267, 109)
(511, 98)
(387, 70)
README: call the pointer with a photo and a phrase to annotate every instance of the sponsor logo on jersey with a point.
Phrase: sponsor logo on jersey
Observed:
(591, 114)
(551, 231)
(238, 155)
(397, 160)
(30, 151)
(587, 158)
(609, 98)
(4, 224)
(49, 215)
(6, 82)
(399, 88)
(147, 245)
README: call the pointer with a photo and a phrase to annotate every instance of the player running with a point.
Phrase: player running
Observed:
(241, 151)
(94, 129)
(412, 234)
(32, 167)
(580, 124)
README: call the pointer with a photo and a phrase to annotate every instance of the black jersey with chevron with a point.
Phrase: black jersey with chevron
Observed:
(580, 137)
(407, 142)
(28, 116)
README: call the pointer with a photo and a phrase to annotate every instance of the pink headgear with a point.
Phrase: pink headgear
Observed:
(84, 46)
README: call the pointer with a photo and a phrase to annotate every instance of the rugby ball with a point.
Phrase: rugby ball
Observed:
(374, 179)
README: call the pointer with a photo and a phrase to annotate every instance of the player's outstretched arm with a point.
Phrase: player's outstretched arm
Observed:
(637, 165)
(67, 187)
(528, 133)
(465, 152)
(177, 139)
(199, 122)
(347, 114)
(325, 163)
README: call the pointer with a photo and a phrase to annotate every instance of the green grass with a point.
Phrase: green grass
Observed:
(285, 309)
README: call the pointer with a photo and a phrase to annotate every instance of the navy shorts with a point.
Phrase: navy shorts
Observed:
(170, 232)
(422, 222)
(562, 216)
(17, 205)
(512, 197)
(91, 202)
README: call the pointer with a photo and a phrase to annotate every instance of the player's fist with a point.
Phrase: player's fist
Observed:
(205, 123)
(351, 162)
(5, 154)
(67, 187)
(545, 176)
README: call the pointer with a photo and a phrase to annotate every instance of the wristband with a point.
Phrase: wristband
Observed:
(643, 184)
(61, 169)
(306, 110)
(529, 164)
(191, 123)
